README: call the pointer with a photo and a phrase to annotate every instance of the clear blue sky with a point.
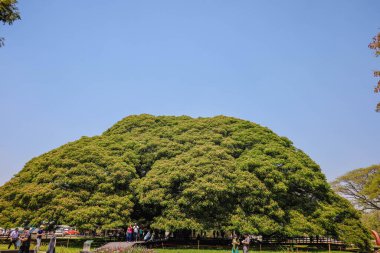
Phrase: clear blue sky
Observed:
(302, 68)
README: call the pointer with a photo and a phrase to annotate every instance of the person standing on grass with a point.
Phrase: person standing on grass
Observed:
(25, 241)
(245, 243)
(40, 233)
(14, 238)
(235, 244)
(53, 241)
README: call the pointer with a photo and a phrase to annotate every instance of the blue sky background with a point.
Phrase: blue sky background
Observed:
(302, 68)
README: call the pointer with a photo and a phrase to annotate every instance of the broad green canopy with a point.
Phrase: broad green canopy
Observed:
(181, 173)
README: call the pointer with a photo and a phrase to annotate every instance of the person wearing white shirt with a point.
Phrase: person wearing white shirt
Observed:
(245, 243)
(14, 238)
(135, 232)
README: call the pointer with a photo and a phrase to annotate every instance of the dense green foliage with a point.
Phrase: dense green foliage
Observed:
(182, 173)
(8, 11)
(371, 220)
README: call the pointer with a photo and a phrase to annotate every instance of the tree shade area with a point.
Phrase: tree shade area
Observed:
(179, 173)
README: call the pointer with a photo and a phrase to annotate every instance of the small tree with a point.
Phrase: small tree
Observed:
(375, 45)
(361, 186)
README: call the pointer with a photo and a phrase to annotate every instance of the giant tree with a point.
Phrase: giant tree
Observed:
(182, 173)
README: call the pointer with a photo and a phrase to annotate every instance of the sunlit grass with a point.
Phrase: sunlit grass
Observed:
(61, 249)
(192, 251)
(240, 251)
(228, 251)
(43, 248)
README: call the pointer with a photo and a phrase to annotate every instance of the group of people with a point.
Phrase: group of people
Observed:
(21, 241)
(236, 243)
(136, 233)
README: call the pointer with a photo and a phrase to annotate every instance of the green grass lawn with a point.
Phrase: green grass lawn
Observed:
(44, 248)
(191, 251)
(228, 251)
(61, 249)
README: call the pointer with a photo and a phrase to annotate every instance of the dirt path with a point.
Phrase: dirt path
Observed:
(117, 246)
